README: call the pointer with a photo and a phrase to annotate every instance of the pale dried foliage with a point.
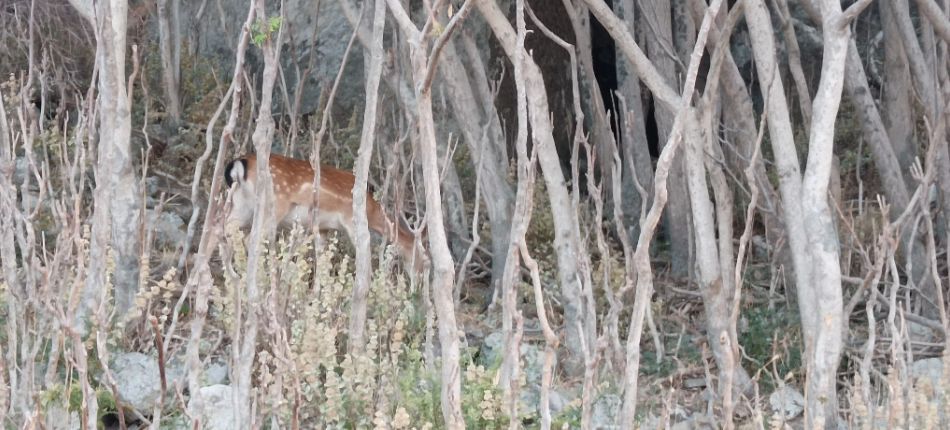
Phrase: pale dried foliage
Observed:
(301, 367)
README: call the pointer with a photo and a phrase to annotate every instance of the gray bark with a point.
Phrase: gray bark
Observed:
(824, 286)
(167, 38)
(925, 85)
(442, 264)
(479, 135)
(115, 221)
(637, 165)
(579, 324)
(897, 96)
(662, 51)
(485, 138)
(361, 238)
(263, 231)
(739, 131)
(601, 135)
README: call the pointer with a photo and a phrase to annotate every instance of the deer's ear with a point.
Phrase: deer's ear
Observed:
(236, 171)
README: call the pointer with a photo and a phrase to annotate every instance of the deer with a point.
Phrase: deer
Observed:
(294, 200)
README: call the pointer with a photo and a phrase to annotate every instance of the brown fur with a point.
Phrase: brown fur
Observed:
(293, 180)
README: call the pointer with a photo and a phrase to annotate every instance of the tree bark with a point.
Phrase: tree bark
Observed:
(580, 326)
(167, 38)
(896, 99)
(200, 279)
(263, 231)
(925, 85)
(361, 240)
(658, 13)
(600, 133)
(637, 165)
(822, 240)
(479, 135)
(485, 138)
(115, 221)
(442, 264)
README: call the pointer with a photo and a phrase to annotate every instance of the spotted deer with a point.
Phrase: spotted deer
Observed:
(293, 195)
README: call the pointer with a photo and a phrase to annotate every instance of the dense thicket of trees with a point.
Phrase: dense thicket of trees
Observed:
(760, 187)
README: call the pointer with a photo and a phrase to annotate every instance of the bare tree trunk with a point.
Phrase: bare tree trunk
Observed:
(740, 130)
(115, 221)
(715, 258)
(600, 133)
(167, 39)
(886, 152)
(361, 238)
(637, 166)
(925, 84)
(479, 136)
(641, 260)
(200, 279)
(795, 62)
(512, 319)
(485, 138)
(423, 70)
(783, 144)
(262, 233)
(14, 402)
(658, 14)
(715, 282)
(898, 93)
(580, 325)
(825, 283)
(453, 200)
(808, 217)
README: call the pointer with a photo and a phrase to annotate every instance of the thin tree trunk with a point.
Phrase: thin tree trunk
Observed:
(361, 239)
(783, 146)
(572, 276)
(485, 138)
(658, 13)
(479, 136)
(897, 96)
(200, 279)
(115, 221)
(166, 40)
(600, 133)
(641, 259)
(262, 233)
(925, 84)
(423, 68)
(822, 240)
(637, 165)
(739, 128)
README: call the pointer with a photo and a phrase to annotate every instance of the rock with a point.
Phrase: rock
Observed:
(138, 381)
(215, 374)
(168, 229)
(606, 413)
(787, 402)
(697, 421)
(213, 35)
(59, 418)
(29, 199)
(153, 189)
(531, 400)
(531, 355)
(694, 383)
(491, 349)
(921, 333)
(650, 421)
(216, 412)
(928, 368)
(21, 168)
